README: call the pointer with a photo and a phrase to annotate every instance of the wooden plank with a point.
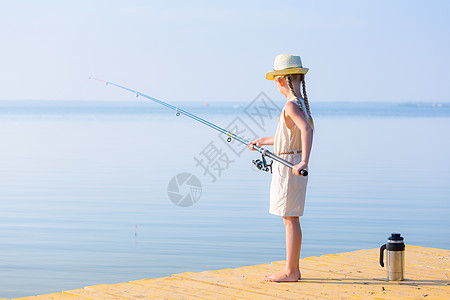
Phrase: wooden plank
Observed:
(411, 254)
(312, 283)
(91, 294)
(337, 285)
(254, 284)
(347, 286)
(366, 269)
(413, 270)
(136, 291)
(206, 290)
(53, 296)
(426, 250)
(440, 256)
(238, 279)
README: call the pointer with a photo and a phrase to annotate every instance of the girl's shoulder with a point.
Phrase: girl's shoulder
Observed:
(291, 106)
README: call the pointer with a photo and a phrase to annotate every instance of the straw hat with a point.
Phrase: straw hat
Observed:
(286, 64)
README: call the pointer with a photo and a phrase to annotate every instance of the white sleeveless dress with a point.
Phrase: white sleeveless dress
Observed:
(287, 191)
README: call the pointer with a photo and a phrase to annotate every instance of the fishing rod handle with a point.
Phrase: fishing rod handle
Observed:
(278, 159)
(302, 172)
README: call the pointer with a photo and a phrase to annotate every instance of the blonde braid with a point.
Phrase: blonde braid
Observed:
(305, 97)
(291, 88)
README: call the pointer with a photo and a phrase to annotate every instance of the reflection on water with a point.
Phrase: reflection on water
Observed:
(84, 196)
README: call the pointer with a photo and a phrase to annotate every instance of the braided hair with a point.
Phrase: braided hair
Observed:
(307, 114)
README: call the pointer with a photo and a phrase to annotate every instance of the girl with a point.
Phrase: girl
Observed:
(292, 142)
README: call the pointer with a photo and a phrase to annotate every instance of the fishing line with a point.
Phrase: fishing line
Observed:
(261, 164)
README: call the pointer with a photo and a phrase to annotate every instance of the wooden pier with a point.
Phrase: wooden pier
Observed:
(347, 275)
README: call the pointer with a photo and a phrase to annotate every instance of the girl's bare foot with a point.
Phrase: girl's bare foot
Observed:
(283, 276)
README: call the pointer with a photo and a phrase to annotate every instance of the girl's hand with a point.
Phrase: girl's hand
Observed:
(256, 142)
(298, 167)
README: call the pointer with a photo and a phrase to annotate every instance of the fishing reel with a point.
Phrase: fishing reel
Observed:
(262, 164)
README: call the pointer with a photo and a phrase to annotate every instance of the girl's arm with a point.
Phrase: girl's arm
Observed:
(268, 140)
(294, 112)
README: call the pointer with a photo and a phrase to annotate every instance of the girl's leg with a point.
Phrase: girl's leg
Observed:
(293, 243)
(291, 271)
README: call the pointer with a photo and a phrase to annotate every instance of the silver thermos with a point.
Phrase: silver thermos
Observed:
(395, 260)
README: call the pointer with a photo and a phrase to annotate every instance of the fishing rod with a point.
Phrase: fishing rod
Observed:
(260, 164)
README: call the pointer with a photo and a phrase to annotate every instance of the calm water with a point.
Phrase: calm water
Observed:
(83, 189)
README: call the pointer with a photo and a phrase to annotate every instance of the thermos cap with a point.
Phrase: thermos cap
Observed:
(395, 238)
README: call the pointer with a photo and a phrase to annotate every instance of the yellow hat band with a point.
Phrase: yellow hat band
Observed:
(271, 75)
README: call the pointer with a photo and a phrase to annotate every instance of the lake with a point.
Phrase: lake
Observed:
(84, 188)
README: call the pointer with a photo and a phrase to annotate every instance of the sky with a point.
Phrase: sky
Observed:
(387, 51)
